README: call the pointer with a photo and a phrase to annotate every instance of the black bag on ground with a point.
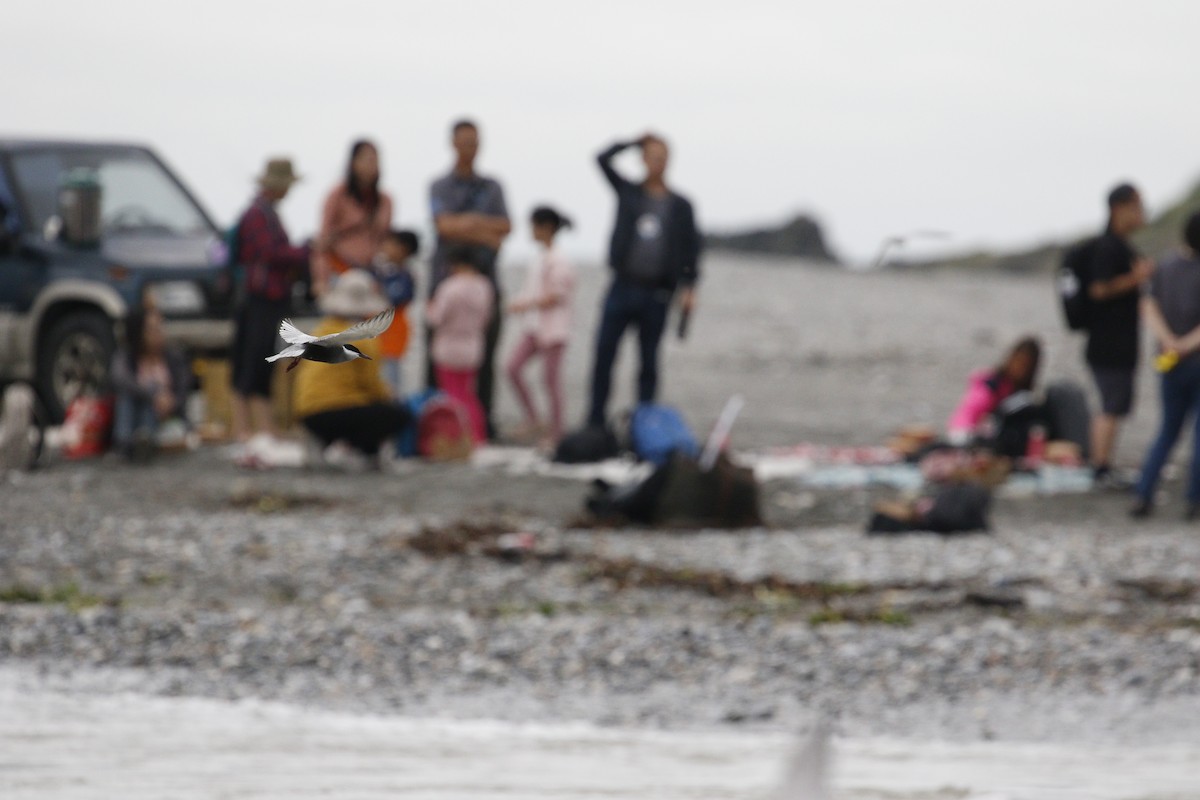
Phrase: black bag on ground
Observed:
(957, 508)
(1067, 416)
(636, 501)
(587, 446)
(725, 496)
(681, 494)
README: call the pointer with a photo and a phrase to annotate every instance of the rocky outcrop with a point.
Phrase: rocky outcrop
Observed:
(800, 237)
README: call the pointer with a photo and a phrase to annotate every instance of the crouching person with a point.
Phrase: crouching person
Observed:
(996, 409)
(350, 402)
(150, 384)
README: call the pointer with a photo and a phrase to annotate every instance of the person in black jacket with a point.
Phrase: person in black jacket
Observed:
(654, 252)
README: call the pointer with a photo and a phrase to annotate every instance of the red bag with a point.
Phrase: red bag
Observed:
(87, 427)
(444, 430)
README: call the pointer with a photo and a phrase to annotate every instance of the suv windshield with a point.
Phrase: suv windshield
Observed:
(138, 196)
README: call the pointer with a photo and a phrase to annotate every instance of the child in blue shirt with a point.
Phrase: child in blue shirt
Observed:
(395, 276)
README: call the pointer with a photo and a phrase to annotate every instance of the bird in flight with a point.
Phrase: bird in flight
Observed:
(334, 348)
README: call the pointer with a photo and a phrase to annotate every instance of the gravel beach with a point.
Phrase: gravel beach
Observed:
(391, 593)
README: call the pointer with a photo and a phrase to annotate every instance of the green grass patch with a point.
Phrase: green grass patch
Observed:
(68, 594)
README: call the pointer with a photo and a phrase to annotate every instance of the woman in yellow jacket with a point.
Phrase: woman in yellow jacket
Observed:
(349, 402)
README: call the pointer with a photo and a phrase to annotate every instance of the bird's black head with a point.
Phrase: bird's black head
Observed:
(361, 354)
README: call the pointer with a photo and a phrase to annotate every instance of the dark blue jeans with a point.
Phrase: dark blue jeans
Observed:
(628, 304)
(1180, 401)
(133, 416)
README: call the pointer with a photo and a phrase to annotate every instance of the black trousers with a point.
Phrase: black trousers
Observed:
(627, 304)
(256, 327)
(364, 428)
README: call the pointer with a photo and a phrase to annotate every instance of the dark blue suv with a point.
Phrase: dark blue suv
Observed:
(61, 299)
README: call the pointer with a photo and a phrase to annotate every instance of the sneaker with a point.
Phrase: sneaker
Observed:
(144, 448)
(344, 457)
(1105, 479)
(1141, 510)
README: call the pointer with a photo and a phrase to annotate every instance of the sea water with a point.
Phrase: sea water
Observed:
(57, 745)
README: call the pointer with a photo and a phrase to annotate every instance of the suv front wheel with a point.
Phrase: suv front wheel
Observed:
(74, 359)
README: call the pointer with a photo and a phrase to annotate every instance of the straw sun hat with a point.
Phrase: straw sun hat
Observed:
(354, 296)
(278, 174)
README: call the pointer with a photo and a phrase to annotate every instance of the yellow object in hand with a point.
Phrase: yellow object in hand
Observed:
(1166, 361)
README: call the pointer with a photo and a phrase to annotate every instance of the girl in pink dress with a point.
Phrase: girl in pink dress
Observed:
(458, 313)
(545, 303)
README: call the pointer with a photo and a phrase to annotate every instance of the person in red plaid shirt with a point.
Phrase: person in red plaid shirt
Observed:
(272, 266)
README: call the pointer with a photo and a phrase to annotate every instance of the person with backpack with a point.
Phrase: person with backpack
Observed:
(1172, 312)
(1115, 275)
(654, 252)
(545, 304)
(272, 266)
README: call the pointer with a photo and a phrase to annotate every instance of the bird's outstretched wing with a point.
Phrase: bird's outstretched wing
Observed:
(291, 351)
(367, 329)
(293, 335)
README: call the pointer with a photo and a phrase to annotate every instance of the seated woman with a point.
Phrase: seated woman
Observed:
(1003, 392)
(150, 382)
(349, 402)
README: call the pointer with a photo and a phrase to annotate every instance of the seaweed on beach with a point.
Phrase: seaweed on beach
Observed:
(629, 573)
(268, 502)
(459, 539)
(67, 594)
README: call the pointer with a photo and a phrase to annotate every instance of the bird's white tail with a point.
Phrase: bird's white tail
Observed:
(294, 351)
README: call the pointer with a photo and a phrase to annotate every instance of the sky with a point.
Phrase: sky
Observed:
(1001, 124)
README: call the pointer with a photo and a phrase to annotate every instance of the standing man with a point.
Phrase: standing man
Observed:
(655, 249)
(272, 266)
(469, 210)
(1116, 277)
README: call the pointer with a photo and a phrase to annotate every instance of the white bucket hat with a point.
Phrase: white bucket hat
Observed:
(354, 295)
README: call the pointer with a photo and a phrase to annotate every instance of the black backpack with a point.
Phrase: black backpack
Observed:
(588, 446)
(1073, 277)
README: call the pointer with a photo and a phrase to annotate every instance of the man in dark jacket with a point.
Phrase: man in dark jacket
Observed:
(655, 251)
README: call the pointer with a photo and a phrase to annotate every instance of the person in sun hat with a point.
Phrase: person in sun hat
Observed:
(349, 402)
(272, 265)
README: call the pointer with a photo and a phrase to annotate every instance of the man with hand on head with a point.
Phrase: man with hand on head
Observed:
(654, 251)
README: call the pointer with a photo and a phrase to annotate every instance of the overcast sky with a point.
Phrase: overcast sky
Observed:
(1002, 123)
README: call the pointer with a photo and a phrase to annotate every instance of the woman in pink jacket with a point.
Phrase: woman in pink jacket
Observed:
(545, 303)
(355, 219)
(458, 313)
(988, 388)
